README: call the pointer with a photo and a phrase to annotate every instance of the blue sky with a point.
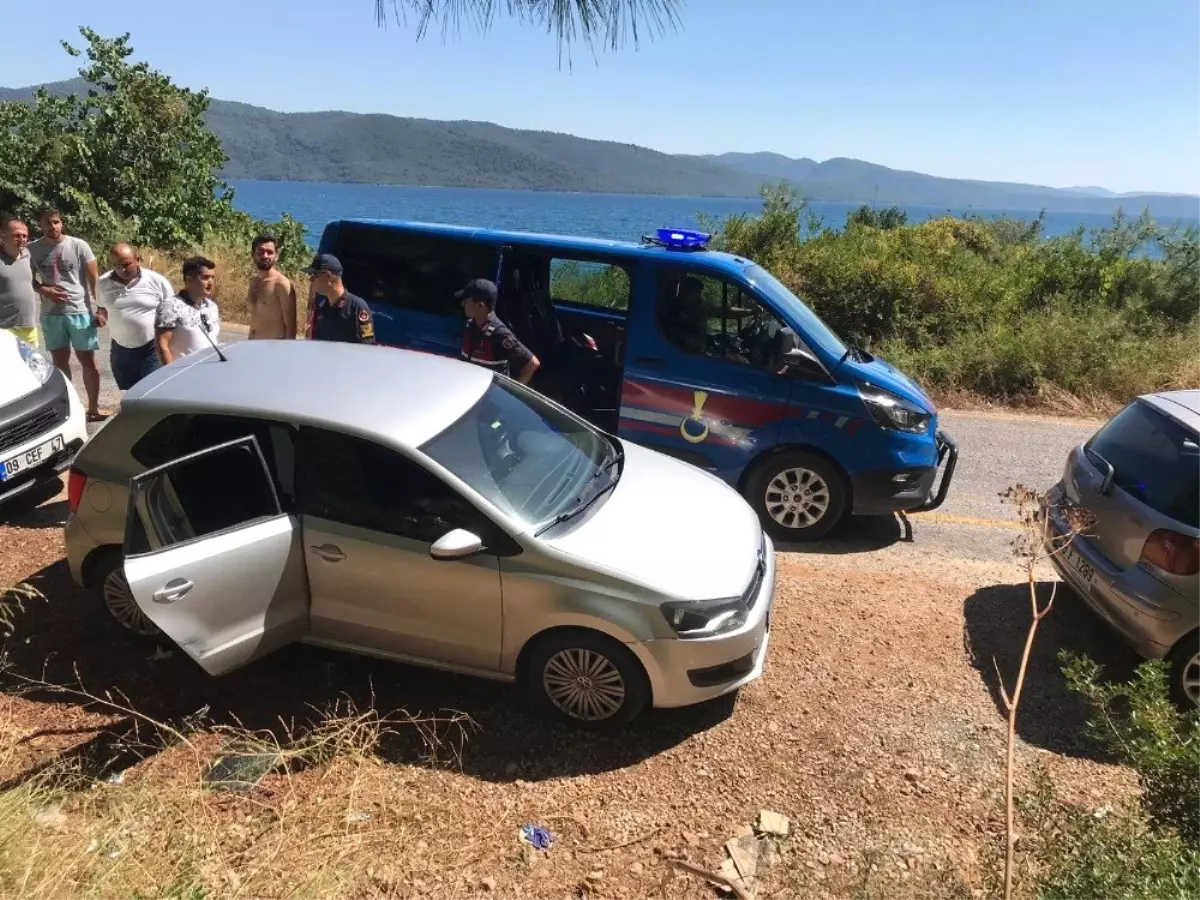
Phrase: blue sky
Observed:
(1055, 92)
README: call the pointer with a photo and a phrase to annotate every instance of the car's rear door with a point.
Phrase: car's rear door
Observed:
(213, 560)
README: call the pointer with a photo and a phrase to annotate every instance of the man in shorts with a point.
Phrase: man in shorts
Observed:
(18, 302)
(65, 276)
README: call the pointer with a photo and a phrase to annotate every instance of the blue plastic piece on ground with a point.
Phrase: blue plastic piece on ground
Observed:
(538, 836)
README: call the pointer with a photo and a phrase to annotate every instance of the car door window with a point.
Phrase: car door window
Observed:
(181, 434)
(589, 283)
(194, 497)
(354, 481)
(706, 316)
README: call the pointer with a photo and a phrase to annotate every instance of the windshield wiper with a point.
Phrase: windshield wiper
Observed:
(575, 510)
(616, 459)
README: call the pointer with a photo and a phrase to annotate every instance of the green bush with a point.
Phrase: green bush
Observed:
(1148, 851)
(132, 160)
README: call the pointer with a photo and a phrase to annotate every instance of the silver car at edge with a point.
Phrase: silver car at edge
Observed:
(417, 508)
(1136, 562)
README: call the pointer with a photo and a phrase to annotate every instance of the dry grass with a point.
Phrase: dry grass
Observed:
(314, 826)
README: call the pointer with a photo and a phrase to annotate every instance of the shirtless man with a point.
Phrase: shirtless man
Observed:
(272, 297)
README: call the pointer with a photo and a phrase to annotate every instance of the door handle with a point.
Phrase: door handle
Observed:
(329, 552)
(173, 590)
(652, 360)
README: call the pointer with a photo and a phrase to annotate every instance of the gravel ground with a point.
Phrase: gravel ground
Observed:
(876, 728)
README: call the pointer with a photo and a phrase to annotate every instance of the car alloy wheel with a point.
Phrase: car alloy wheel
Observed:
(1189, 679)
(122, 606)
(797, 498)
(584, 684)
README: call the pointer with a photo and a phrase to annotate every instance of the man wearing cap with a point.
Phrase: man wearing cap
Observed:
(339, 315)
(486, 340)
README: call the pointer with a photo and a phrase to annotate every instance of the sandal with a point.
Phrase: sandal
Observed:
(98, 416)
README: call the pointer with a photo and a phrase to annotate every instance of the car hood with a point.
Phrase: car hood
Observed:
(16, 378)
(881, 373)
(670, 527)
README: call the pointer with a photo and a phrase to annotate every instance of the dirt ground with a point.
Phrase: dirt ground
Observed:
(876, 730)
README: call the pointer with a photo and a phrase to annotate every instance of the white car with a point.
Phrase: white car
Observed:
(42, 422)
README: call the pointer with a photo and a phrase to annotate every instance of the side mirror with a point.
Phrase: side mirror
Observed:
(456, 544)
(800, 358)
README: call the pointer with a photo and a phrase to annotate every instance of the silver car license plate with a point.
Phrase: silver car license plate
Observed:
(1080, 566)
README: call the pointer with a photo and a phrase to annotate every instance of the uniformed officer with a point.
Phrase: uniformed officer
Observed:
(486, 340)
(339, 315)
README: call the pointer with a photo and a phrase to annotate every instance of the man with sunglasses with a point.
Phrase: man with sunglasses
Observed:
(127, 298)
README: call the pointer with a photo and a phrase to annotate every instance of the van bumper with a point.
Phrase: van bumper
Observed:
(912, 489)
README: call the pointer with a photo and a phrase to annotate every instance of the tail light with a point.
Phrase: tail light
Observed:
(76, 482)
(1172, 552)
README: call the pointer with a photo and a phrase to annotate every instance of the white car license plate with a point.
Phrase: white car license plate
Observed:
(1082, 568)
(31, 458)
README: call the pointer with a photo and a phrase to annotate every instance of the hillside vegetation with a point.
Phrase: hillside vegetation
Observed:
(383, 149)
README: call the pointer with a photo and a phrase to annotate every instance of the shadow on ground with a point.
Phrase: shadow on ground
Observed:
(857, 534)
(69, 640)
(996, 621)
(30, 509)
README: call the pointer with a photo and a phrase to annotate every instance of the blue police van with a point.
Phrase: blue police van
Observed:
(699, 354)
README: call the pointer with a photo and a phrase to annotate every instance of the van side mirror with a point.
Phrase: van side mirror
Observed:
(456, 544)
(800, 362)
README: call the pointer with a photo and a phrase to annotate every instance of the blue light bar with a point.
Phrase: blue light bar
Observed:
(683, 239)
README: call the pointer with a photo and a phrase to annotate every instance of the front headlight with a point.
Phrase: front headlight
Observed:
(893, 412)
(704, 618)
(39, 363)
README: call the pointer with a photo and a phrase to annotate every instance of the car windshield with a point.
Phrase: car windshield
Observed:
(1154, 459)
(814, 329)
(529, 458)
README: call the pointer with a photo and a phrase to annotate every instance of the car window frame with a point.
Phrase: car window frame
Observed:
(348, 245)
(677, 272)
(281, 481)
(596, 259)
(154, 543)
(497, 541)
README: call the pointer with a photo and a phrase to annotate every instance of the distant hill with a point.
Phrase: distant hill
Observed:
(382, 149)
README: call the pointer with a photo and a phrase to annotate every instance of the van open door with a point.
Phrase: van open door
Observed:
(211, 558)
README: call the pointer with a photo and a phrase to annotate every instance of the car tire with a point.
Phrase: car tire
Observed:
(1184, 662)
(109, 581)
(798, 496)
(562, 674)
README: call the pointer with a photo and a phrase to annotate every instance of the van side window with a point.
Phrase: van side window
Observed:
(707, 316)
(589, 283)
(353, 481)
(411, 271)
(180, 434)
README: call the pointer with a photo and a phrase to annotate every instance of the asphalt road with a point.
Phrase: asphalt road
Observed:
(996, 451)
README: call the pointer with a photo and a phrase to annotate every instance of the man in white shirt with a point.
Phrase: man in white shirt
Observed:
(182, 320)
(127, 301)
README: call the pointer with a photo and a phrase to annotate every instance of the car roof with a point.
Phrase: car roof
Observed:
(699, 259)
(1183, 406)
(401, 396)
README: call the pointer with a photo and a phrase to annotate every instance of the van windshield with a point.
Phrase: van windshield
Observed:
(529, 458)
(1153, 458)
(815, 331)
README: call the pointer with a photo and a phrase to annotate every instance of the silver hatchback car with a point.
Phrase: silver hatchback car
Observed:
(1136, 564)
(417, 508)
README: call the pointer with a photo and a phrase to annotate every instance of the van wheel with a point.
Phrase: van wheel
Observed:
(118, 599)
(798, 496)
(587, 679)
(1184, 661)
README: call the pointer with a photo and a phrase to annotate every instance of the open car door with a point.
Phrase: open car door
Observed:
(212, 559)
